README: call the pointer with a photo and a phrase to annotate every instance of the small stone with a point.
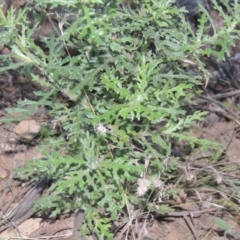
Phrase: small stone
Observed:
(27, 128)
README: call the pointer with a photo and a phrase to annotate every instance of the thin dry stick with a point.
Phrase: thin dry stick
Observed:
(226, 94)
(194, 214)
(218, 96)
(235, 116)
(192, 228)
(17, 196)
(45, 237)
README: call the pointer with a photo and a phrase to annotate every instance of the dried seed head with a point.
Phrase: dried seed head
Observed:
(158, 184)
(143, 185)
(190, 176)
(218, 177)
(101, 129)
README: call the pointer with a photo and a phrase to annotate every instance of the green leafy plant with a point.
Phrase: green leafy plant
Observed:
(126, 89)
(223, 225)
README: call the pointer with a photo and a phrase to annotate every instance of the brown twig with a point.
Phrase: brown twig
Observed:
(218, 96)
(234, 116)
(192, 228)
(194, 214)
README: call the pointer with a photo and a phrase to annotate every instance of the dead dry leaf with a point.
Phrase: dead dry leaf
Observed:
(27, 127)
(233, 150)
(218, 129)
(23, 230)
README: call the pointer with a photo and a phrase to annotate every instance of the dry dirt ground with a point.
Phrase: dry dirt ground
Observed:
(196, 218)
